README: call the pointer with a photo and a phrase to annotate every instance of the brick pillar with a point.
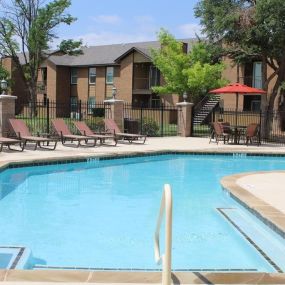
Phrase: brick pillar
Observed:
(184, 118)
(7, 111)
(116, 112)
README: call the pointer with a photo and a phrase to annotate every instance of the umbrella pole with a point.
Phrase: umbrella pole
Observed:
(236, 120)
(236, 108)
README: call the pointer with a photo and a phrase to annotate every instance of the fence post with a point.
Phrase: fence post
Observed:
(141, 119)
(47, 111)
(80, 114)
(192, 123)
(116, 111)
(7, 111)
(184, 118)
(161, 120)
(260, 126)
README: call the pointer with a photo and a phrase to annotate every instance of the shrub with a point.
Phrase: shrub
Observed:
(150, 127)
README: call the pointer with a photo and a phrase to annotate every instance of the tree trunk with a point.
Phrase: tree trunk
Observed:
(273, 118)
(33, 99)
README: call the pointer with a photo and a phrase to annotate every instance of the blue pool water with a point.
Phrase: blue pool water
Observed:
(103, 214)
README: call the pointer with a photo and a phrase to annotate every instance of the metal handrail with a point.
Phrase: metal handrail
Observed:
(165, 206)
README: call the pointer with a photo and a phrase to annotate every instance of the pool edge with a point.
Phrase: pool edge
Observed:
(268, 214)
(139, 277)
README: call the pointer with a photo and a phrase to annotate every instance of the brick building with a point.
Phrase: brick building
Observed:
(91, 76)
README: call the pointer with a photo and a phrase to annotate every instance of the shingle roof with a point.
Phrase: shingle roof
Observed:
(106, 54)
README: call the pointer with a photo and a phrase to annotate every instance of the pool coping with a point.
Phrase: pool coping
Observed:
(74, 276)
(252, 203)
(127, 154)
(268, 214)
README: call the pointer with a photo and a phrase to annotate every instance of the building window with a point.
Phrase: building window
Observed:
(154, 77)
(257, 75)
(73, 78)
(110, 75)
(92, 75)
(73, 104)
(91, 103)
(252, 103)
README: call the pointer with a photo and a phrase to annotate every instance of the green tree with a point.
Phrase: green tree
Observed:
(194, 72)
(248, 30)
(28, 27)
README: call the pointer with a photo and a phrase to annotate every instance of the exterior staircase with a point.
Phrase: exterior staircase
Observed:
(204, 108)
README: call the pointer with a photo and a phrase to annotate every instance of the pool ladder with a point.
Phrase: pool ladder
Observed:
(165, 207)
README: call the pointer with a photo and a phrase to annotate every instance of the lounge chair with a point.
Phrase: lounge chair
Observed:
(9, 141)
(22, 132)
(65, 134)
(111, 126)
(86, 131)
(219, 134)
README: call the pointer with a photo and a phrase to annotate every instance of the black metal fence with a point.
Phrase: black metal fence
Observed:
(153, 122)
(39, 115)
(271, 124)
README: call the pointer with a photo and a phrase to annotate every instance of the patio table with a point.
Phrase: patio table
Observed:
(237, 132)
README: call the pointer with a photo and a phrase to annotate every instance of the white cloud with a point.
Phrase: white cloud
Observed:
(106, 38)
(107, 19)
(190, 30)
(145, 24)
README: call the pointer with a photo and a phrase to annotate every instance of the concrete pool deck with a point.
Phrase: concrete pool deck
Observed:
(151, 145)
(261, 192)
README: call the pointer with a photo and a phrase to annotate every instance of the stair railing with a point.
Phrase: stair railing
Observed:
(165, 207)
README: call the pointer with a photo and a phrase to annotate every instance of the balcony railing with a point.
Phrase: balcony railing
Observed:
(141, 83)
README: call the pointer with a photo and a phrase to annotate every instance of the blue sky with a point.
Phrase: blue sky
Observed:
(120, 21)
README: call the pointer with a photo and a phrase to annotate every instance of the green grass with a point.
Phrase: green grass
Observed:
(39, 125)
(201, 131)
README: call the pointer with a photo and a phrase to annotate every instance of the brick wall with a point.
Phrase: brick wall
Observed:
(125, 84)
(51, 81)
(18, 87)
(100, 83)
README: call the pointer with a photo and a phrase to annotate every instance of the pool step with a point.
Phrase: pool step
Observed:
(14, 257)
(268, 243)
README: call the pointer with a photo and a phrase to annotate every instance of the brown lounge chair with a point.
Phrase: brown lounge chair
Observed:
(111, 126)
(219, 134)
(86, 131)
(65, 134)
(9, 141)
(22, 132)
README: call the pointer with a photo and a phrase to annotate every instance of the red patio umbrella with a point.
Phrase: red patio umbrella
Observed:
(237, 88)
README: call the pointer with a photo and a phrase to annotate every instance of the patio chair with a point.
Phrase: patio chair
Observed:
(219, 133)
(65, 134)
(86, 131)
(252, 132)
(22, 132)
(9, 141)
(111, 126)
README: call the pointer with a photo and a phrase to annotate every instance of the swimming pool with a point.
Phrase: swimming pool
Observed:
(102, 213)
